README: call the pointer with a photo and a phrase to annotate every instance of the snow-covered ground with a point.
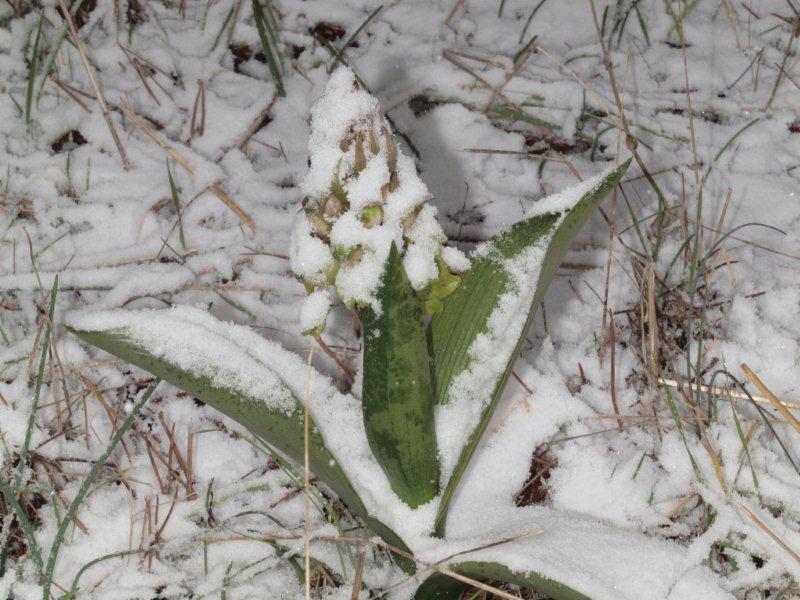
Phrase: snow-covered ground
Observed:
(187, 88)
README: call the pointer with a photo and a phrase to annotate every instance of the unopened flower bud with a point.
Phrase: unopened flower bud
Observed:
(372, 216)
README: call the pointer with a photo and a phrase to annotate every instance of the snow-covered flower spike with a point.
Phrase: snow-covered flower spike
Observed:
(361, 194)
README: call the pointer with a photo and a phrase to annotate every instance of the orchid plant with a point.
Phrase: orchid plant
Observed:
(440, 332)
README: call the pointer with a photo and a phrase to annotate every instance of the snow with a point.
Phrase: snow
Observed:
(471, 390)
(624, 514)
(566, 199)
(315, 310)
(190, 345)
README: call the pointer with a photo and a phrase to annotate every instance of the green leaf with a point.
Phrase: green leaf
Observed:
(283, 431)
(467, 312)
(267, 45)
(398, 396)
(442, 587)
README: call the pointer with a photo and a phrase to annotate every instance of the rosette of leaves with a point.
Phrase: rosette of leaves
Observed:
(412, 369)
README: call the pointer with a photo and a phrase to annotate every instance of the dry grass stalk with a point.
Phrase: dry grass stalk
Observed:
(71, 93)
(763, 527)
(630, 139)
(533, 155)
(777, 404)
(450, 57)
(517, 68)
(362, 555)
(95, 83)
(652, 324)
(452, 12)
(254, 126)
(178, 158)
(612, 342)
(182, 462)
(786, 54)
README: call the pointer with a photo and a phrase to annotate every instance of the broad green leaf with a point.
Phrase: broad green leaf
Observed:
(467, 312)
(282, 430)
(398, 397)
(442, 587)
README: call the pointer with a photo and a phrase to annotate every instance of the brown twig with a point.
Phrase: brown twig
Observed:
(612, 341)
(95, 83)
(178, 158)
(348, 371)
(362, 555)
(773, 399)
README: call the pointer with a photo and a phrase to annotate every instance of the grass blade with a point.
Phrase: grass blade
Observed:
(24, 523)
(23, 453)
(87, 482)
(338, 58)
(173, 190)
(32, 72)
(258, 15)
(53, 53)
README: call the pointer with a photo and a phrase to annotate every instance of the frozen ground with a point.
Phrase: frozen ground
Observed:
(732, 524)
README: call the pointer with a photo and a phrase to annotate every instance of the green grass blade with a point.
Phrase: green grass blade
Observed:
(441, 587)
(398, 397)
(23, 453)
(56, 46)
(338, 58)
(467, 312)
(176, 202)
(282, 430)
(24, 523)
(87, 482)
(258, 15)
(32, 72)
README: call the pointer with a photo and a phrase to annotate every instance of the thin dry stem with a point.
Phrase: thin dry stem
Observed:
(95, 83)
(178, 158)
(777, 404)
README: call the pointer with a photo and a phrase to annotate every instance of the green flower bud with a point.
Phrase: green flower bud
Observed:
(371, 216)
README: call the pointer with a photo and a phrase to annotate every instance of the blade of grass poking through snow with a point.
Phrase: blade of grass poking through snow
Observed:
(56, 46)
(236, 372)
(266, 46)
(338, 58)
(32, 71)
(173, 190)
(475, 340)
(25, 524)
(23, 453)
(440, 586)
(72, 511)
(725, 147)
(275, 34)
(398, 397)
